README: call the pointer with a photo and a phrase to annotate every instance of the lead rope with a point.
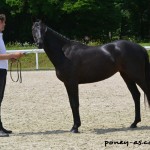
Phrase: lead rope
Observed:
(19, 75)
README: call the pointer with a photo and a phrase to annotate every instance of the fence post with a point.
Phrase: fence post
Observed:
(37, 60)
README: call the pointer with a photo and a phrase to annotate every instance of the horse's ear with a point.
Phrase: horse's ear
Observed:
(40, 21)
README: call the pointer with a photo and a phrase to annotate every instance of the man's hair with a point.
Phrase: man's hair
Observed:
(2, 17)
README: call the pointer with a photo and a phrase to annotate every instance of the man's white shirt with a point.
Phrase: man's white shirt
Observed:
(3, 63)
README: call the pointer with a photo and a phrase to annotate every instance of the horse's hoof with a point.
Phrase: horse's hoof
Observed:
(133, 126)
(74, 130)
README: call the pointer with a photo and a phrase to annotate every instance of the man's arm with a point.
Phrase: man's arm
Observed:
(11, 56)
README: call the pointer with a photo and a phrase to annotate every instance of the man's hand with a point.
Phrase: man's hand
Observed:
(16, 55)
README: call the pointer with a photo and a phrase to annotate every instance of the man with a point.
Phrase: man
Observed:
(3, 70)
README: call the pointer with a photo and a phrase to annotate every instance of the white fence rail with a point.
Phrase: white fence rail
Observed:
(28, 51)
(37, 51)
(147, 47)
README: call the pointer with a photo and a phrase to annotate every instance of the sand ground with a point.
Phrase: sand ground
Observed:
(39, 114)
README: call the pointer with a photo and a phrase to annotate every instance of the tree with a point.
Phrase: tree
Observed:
(135, 17)
(75, 18)
(94, 18)
(25, 10)
(78, 18)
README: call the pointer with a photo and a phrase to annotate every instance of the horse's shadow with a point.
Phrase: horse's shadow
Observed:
(41, 133)
(97, 131)
(111, 130)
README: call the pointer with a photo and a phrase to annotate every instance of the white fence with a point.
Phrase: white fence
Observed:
(28, 51)
(37, 51)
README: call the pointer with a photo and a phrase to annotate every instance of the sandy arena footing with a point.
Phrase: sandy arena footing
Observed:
(38, 112)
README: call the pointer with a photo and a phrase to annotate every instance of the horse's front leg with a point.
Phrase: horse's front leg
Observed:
(72, 90)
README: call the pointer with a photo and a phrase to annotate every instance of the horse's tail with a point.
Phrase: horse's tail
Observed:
(147, 77)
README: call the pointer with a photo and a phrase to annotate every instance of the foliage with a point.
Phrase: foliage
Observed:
(93, 17)
(79, 18)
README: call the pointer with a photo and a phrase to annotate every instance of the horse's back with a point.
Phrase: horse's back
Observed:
(95, 63)
(114, 49)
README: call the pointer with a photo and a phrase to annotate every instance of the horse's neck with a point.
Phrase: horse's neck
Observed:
(53, 45)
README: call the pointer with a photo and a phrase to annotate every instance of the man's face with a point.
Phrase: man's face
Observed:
(2, 25)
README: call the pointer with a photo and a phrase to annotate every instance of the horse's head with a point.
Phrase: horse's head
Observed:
(38, 31)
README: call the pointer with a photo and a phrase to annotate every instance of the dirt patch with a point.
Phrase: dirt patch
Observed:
(39, 114)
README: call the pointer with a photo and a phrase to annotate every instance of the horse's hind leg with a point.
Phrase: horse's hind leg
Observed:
(136, 97)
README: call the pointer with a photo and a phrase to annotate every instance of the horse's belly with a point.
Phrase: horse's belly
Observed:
(95, 75)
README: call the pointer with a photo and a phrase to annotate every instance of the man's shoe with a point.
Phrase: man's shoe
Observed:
(6, 131)
(3, 134)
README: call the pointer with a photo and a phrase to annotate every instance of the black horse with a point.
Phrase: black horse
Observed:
(77, 63)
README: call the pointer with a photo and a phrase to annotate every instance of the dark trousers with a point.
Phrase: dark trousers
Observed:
(3, 74)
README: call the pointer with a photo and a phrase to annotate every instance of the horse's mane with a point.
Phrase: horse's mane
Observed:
(64, 37)
(58, 34)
